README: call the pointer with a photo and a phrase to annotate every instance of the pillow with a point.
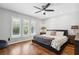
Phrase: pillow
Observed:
(53, 33)
(59, 33)
(48, 32)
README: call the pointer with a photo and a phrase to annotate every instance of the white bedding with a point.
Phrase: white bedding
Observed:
(58, 41)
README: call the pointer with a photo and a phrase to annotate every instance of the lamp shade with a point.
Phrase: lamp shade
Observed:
(74, 27)
(43, 27)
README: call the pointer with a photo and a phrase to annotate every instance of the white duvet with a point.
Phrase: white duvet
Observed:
(58, 41)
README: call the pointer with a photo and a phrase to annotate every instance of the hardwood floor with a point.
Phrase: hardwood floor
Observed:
(70, 50)
(29, 48)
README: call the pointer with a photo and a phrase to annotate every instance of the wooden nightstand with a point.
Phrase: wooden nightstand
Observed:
(71, 39)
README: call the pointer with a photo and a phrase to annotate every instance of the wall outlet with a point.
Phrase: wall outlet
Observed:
(8, 39)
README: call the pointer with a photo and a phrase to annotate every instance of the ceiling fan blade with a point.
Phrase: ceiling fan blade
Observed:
(37, 11)
(46, 6)
(37, 7)
(49, 10)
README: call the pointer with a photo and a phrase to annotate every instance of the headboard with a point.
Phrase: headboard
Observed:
(65, 31)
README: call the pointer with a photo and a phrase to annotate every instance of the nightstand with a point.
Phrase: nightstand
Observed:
(71, 39)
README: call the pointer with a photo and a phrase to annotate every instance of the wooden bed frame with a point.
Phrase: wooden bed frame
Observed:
(51, 48)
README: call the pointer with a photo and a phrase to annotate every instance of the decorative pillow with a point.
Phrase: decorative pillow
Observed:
(53, 33)
(59, 33)
(48, 32)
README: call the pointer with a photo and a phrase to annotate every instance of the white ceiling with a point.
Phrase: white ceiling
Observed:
(28, 9)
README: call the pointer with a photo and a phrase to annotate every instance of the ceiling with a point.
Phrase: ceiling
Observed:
(28, 9)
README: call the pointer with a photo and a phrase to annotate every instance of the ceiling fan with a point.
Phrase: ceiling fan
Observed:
(44, 9)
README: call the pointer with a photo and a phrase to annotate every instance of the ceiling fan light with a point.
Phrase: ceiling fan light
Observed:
(44, 13)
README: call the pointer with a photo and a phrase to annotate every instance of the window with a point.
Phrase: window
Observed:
(16, 26)
(33, 26)
(22, 27)
(25, 27)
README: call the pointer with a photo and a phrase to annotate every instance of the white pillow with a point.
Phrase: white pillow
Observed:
(53, 33)
(48, 32)
(59, 33)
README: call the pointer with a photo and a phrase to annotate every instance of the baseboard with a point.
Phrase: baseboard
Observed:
(19, 41)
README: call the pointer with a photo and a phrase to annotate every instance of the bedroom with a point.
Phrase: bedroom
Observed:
(20, 24)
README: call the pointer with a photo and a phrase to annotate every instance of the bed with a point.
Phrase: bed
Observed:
(53, 43)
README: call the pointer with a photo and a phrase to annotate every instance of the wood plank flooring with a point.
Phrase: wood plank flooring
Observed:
(29, 48)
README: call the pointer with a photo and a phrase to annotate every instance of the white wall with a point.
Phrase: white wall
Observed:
(64, 21)
(5, 24)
